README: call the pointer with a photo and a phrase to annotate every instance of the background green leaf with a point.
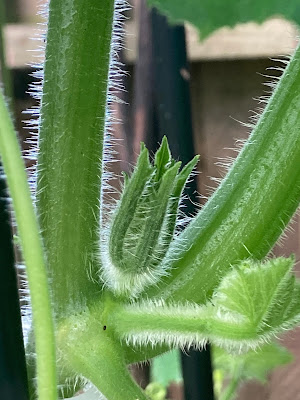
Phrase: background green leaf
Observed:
(209, 15)
(166, 368)
(255, 364)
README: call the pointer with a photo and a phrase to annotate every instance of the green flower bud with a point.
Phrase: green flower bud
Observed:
(143, 223)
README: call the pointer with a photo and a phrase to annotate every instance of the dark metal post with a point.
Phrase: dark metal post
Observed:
(13, 378)
(173, 110)
(162, 107)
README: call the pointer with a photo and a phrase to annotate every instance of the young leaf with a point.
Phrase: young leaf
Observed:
(209, 15)
(265, 295)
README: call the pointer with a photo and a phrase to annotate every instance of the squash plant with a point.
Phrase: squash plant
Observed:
(117, 284)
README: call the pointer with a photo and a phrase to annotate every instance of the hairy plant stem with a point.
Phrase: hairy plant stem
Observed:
(73, 113)
(32, 250)
(92, 351)
(176, 325)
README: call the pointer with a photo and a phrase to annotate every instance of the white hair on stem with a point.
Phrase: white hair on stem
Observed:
(115, 85)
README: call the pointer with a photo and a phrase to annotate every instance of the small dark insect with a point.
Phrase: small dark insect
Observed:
(104, 327)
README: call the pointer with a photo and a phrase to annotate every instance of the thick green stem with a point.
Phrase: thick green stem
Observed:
(88, 347)
(73, 115)
(254, 203)
(33, 255)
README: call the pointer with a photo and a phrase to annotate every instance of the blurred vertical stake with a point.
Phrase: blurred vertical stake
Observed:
(173, 108)
(197, 375)
(5, 77)
(13, 377)
(142, 118)
(162, 107)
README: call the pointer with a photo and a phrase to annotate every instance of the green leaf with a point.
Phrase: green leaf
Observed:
(266, 295)
(253, 364)
(210, 15)
(166, 368)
